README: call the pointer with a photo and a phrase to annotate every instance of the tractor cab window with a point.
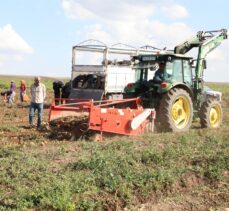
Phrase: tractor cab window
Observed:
(173, 70)
(145, 71)
(187, 72)
(141, 74)
(168, 70)
(177, 70)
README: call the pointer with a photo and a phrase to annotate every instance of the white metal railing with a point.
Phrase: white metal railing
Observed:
(119, 48)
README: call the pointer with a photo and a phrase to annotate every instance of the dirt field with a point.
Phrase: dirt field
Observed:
(192, 168)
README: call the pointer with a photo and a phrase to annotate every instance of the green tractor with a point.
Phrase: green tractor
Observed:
(173, 83)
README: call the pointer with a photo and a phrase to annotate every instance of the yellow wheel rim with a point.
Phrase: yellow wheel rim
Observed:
(215, 116)
(181, 112)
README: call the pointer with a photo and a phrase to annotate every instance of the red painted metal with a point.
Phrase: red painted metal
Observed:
(115, 120)
(71, 107)
(105, 116)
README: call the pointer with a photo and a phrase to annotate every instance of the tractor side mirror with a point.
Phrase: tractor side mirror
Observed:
(204, 64)
(134, 62)
(154, 67)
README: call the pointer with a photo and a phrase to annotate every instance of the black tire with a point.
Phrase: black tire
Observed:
(172, 116)
(211, 114)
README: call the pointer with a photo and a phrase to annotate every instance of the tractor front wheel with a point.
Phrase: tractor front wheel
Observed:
(211, 114)
(175, 111)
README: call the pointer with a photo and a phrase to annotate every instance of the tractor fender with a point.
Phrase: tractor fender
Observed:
(182, 86)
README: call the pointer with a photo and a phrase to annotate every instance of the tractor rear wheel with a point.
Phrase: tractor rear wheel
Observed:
(211, 114)
(175, 111)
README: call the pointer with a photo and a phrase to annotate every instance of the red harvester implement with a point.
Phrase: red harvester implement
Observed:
(125, 117)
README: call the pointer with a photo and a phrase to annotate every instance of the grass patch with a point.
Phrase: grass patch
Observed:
(114, 174)
(9, 128)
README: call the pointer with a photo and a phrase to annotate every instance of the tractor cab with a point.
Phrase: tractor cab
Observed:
(159, 73)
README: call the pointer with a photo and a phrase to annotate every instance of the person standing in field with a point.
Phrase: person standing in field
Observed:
(22, 90)
(38, 94)
(57, 86)
(13, 92)
(66, 89)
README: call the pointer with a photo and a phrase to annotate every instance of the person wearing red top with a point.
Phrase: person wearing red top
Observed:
(22, 90)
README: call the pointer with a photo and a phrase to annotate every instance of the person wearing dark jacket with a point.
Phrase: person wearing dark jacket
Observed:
(158, 76)
(66, 89)
(57, 86)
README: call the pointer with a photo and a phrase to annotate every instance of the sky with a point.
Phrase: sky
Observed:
(36, 36)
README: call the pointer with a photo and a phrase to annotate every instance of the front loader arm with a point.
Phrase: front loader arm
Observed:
(202, 39)
(188, 44)
(205, 42)
(211, 42)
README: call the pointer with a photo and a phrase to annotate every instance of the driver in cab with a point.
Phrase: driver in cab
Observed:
(159, 74)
